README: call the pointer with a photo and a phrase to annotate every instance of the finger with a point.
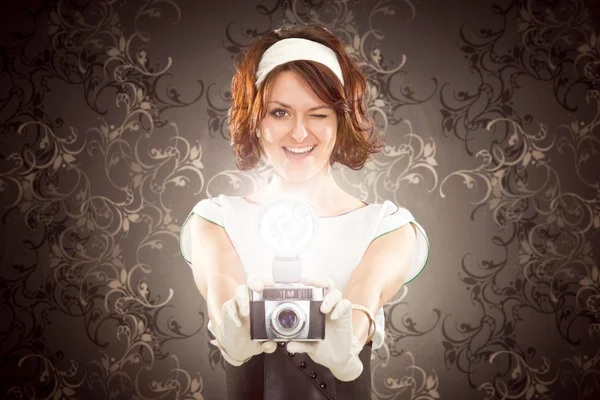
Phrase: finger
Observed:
(258, 283)
(242, 299)
(317, 281)
(330, 300)
(302, 347)
(268, 281)
(255, 282)
(230, 312)
(343, 307)
(269, 347)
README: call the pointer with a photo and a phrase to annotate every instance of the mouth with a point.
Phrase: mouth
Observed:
(298, 153)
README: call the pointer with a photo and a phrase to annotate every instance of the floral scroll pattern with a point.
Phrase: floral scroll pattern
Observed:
(95, 249)
(100, 165)
(525, 189)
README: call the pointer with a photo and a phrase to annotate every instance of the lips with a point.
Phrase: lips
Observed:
(298, 157)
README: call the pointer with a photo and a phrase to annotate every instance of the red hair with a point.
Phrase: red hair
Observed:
(356, 139)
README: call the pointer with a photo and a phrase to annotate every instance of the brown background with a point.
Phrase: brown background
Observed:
(112, 126)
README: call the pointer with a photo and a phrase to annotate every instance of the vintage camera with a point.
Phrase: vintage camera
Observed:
(289, 310)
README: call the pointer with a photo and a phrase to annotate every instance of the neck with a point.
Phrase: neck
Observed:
(321, 191)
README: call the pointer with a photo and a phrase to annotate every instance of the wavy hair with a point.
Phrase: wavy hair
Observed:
(356, 139)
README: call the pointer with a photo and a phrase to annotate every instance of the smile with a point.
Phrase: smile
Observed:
(299, 150)
(297, 155)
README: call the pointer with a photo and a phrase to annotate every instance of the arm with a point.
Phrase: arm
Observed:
(216, 266)
(380, 274)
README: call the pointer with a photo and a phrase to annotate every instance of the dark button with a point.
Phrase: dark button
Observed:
(291, 354)
(302, 364)
(313, 375)
(323, 385)
(281, 344)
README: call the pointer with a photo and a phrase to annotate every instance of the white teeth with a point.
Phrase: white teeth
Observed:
(299, 149)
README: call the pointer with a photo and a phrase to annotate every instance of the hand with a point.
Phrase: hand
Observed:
(340, 348)
(233, 333)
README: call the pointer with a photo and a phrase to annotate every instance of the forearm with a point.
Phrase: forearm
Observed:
(380, 275)
(216, 267)
(366, 294)
(219, 289)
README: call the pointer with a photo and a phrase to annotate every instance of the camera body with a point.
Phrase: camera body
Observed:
(287, 312)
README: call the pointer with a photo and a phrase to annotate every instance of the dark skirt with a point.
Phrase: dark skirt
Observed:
(282, 375)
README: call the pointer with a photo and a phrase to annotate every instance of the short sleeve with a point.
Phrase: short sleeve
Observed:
(209, 209)
(395, 217)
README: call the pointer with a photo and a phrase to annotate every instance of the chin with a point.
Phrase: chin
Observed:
(298, 173)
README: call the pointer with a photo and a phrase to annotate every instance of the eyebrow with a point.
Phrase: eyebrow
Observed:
(290, 107)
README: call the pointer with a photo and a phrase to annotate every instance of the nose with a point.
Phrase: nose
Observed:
(299, 133)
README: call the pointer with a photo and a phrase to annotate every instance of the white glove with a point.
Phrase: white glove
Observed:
(233, 334)
(340, 348)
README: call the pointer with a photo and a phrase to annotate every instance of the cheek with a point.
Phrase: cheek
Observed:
(273, 132)
(331, 132)
(325, 128)
(328, 135)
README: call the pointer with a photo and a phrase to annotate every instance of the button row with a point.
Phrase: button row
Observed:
(302, 364)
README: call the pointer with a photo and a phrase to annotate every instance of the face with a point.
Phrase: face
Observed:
(299, 130)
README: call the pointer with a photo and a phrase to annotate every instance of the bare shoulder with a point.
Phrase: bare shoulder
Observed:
(353, 202)
(347, 203)
(260, 196)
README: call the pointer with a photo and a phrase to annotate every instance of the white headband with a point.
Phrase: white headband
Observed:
(293, 49)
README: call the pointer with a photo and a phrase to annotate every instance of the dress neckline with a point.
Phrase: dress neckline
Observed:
(365, 205)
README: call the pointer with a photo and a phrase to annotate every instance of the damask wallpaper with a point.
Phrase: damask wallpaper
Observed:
(112, 126)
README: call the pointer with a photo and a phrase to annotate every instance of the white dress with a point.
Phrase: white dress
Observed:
(336, 251)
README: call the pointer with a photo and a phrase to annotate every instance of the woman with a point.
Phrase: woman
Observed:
(298, 103)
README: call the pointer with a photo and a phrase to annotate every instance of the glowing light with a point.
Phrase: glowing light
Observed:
(287, 224)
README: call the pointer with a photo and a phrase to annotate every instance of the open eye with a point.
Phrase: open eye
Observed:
(278, 113)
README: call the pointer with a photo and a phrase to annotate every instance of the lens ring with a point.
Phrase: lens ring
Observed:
(292, 316)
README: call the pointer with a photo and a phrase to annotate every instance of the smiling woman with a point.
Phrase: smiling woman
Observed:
(298, 101)
(299, 131)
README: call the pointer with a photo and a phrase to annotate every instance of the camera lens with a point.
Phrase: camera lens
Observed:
(287, 319)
